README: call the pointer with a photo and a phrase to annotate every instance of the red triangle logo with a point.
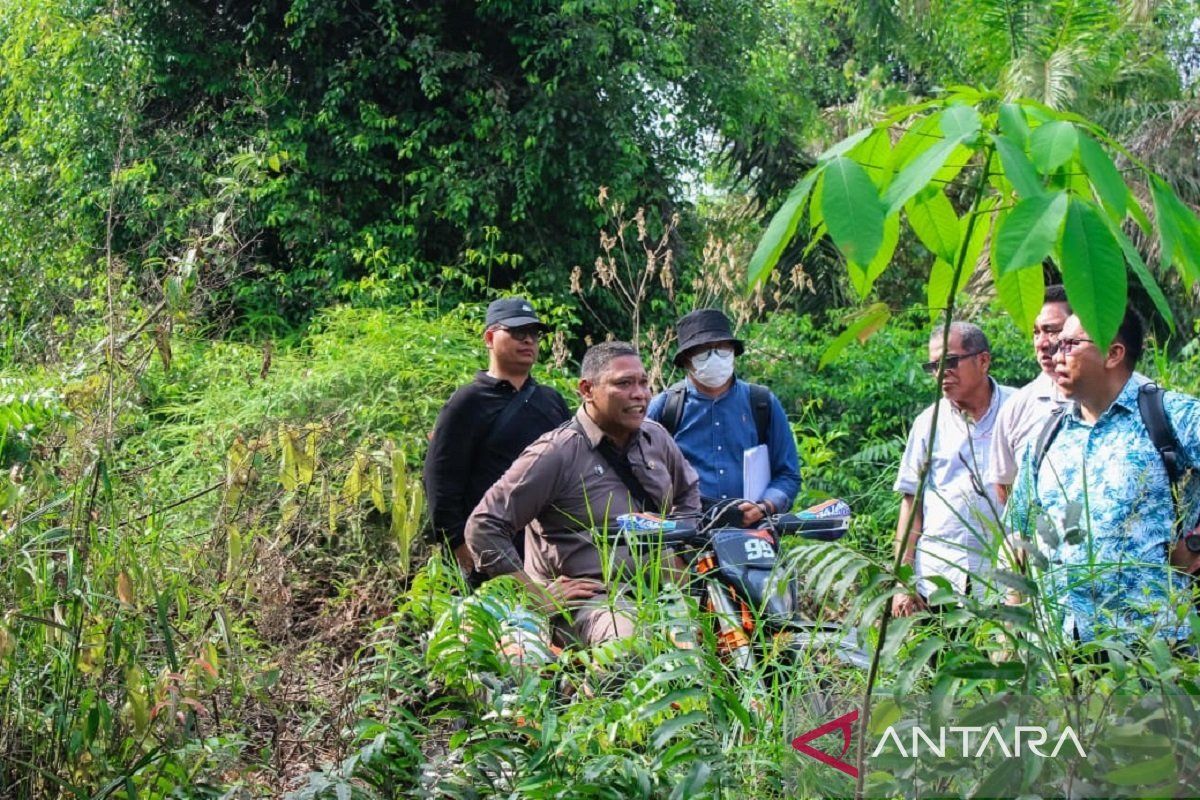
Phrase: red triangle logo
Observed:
(845, 724)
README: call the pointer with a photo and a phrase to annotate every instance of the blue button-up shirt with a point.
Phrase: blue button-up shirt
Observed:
(1102, 509)
(714, 433)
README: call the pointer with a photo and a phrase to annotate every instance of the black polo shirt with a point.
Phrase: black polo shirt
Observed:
(465, 459)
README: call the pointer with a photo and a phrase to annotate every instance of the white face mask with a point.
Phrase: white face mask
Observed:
(713, 371)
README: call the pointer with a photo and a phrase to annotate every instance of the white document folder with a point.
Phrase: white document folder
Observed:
(756, 472)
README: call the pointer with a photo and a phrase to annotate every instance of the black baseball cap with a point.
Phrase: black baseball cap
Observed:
(513, 312)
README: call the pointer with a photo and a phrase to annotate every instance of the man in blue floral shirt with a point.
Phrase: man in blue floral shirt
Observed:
(1100, 501)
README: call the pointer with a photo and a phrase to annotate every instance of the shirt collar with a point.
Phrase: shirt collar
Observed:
(993, 404)
(1046, 388)
(694, 392)
(1126, 399)
(482, 377)
(591, 430)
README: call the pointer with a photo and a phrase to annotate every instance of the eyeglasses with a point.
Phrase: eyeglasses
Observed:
(931, 367)
(1066, 346)
(529, 333)
(703, 356)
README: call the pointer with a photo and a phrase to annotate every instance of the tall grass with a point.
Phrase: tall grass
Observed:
(219, 604)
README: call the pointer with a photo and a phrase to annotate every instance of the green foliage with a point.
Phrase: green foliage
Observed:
(25, 411)
(67, 91)
(1089, 247)
(152, 584)
(434, 151)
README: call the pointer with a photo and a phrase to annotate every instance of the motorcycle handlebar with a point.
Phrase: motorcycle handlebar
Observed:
(825, 529)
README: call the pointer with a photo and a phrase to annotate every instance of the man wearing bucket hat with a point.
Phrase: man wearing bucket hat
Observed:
(486, 424)
(716, 417)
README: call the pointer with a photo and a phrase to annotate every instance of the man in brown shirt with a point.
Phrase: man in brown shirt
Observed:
(610, 460)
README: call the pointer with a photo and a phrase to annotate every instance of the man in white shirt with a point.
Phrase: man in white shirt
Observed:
(1024, 415)
(954, 526)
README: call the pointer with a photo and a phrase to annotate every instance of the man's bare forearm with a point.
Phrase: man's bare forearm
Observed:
(908, 509)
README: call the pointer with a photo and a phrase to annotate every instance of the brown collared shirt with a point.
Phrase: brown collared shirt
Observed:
(567, 490)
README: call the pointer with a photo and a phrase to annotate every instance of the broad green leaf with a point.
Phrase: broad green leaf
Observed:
(1134, 259)
(1093, 270)
(1041, 112)
(886, 712)
(979, 231)
(863, 278)
(1074, 180)
(873, 318)
(986, 670)
(813, 241)
(1139, 216)
(1021, 293)
(853, 213)
(933, 220)
(959, 158)
(1052, 145)
(1178, 230)
(901, 113)
(920, 136)
(875, 155)
(1103, 174)
(816, 218)
(1029, 231)
(780, 231)
(1018, 168)
(1013, 124)
(960, 122)
(844, 146)
(1155, 771)
(938, 289)
(914, 177)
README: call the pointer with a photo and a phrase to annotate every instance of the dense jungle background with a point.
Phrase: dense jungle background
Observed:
(245, 254)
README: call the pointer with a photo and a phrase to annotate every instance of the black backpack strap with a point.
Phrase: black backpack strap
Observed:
(518, 402)
(1049, 431)
(673, 407)
(760, 405)
(1162, 433)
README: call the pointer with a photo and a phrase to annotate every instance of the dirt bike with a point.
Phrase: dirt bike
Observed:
(736, 578)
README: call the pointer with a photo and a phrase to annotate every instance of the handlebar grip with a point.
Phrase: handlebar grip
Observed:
(647, 529)
(825, 529)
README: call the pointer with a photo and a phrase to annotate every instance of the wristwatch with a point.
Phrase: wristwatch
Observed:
(1192, 540)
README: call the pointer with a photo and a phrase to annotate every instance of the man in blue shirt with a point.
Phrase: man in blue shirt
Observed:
(1100, 499)
(715, 417)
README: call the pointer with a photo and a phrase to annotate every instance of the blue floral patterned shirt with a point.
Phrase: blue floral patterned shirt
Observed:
(1102, 510)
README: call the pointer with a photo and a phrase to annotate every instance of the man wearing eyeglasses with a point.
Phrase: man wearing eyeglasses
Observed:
(486, 424)
(716, 417)
(1025, 414)
(954, 525)
(1097, 493)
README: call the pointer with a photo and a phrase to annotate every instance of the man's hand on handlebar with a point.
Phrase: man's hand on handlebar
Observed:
(751, 513)
(905, 605)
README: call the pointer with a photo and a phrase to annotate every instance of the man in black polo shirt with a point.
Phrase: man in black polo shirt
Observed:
(486, 424)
